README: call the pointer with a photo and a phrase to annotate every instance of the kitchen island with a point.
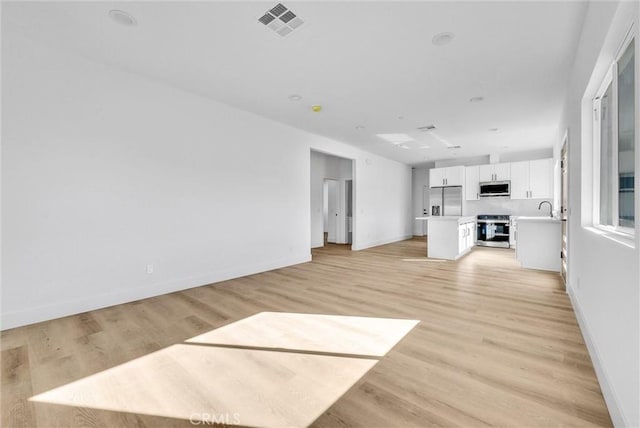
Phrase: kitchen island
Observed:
(539, 242)
(449, 237)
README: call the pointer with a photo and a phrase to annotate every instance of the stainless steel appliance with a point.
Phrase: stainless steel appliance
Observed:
(493, 230)
(495, 188)
(445, 200)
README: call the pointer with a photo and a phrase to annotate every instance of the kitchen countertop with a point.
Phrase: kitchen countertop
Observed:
(539, 219)
(449, 218)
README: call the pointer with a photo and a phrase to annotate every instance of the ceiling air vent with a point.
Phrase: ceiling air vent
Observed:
(426, 128)
(281, 20)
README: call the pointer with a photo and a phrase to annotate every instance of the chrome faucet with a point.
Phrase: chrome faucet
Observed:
(550, 207)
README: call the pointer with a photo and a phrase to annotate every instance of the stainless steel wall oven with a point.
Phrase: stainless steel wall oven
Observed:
(493, 230)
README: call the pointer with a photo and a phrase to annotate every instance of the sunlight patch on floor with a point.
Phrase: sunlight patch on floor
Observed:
(247, 387)
(202, 382)
(348, 335)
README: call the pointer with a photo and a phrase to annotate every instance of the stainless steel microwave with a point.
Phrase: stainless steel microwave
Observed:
(495, 188)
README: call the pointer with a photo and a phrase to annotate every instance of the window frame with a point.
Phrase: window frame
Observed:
(611, 78)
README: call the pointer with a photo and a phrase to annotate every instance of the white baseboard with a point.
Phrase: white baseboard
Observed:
(71, 307)
(608, 391)
(366, 245)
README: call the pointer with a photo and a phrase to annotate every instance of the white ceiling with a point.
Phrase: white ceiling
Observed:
(368, 64)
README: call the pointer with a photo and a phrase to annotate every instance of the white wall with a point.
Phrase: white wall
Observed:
(604, 275)
(104, 172)
(324, 166)
(501, 157)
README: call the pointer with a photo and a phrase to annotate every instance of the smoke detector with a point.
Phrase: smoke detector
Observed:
(281, 20)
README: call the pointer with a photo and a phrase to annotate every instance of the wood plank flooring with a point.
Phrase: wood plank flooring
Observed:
(496, 345)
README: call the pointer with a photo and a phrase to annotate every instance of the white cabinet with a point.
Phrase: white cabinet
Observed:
(450, 237)
(520, 180)
(450, 176)
(466, 236)
(539, 243)
(495, 172)
(471, 183)
(532, 179)
(471, 234)
(540, 179)
(436, 177)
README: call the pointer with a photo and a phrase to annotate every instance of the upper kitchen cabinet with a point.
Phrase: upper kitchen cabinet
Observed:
(472, 183)
(532, 179)
(541, 178)
(450, 176)
(495, 172)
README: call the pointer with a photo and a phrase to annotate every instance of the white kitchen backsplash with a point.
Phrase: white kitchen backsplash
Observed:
(519, 207)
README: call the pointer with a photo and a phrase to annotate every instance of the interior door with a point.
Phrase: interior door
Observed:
(332, 211)
(426, 207)
(564, 204)
(349, 209)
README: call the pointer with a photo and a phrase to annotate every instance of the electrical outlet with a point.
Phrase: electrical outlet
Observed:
(149, 269)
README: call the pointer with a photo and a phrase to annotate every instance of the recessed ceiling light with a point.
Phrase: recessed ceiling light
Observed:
(442, 39)
(122, 18)
(295, 97)
(476, 99)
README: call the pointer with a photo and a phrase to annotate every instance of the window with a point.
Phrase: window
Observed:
(614, 137)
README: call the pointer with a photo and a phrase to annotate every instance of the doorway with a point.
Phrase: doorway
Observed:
(332, 200)
(564, 206)
(426, 209)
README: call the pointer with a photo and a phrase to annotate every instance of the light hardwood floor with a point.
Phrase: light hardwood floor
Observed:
(496, 345)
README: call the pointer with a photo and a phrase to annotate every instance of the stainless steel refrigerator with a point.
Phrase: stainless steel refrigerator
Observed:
(446, 200)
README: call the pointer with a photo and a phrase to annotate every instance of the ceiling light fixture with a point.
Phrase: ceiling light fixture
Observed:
(476, 99)
(442, 39)
(295, 97)
(122, 18)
